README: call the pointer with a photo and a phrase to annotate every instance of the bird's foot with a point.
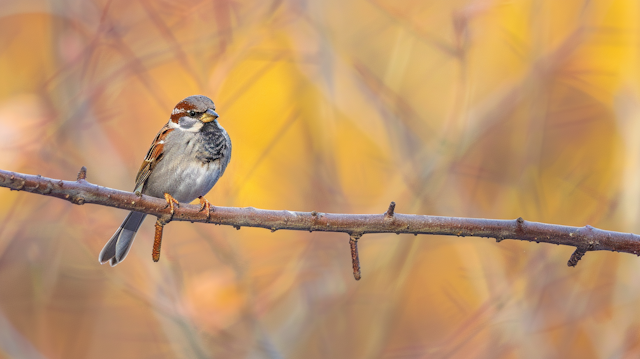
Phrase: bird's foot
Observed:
(205, 205)
(171, 203)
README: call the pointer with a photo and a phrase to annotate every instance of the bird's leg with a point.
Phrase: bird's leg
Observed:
(205, 205)
(170, 203)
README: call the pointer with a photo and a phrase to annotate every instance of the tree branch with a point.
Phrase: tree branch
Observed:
(584, 239)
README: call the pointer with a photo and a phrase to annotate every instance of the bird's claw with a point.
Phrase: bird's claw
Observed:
(171, 203)
(205, 205)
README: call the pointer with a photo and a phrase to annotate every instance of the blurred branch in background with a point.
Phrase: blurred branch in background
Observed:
(466, 108)
(585, 238)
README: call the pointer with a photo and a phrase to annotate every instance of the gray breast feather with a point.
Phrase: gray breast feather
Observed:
(182, 173)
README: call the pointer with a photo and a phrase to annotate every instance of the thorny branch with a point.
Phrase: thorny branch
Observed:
(584, 239)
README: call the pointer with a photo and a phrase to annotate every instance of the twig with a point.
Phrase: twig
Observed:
(585, 238)
(157, 241)
(355, 260)
(576, 256)
(82, 174)
(390, 210)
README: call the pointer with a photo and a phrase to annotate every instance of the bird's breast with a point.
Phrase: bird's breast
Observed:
(191, 166)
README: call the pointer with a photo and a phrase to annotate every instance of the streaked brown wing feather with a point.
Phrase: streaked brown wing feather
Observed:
(154, 156)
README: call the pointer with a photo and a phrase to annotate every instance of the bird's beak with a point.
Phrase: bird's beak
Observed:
(208, 116)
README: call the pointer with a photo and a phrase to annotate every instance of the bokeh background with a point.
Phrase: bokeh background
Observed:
(494, 109)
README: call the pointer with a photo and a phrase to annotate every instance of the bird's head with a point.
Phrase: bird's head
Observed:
(192, 113)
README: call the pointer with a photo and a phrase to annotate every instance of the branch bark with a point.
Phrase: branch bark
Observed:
(584, 239)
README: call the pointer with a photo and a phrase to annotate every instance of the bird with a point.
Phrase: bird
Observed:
(186, 159)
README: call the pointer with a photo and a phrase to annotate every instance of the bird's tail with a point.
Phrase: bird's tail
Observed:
(118, 246)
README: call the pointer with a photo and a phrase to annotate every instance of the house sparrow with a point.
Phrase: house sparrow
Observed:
(186, 159)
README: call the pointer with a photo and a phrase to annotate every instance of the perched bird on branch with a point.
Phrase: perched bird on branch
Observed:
(186, 159)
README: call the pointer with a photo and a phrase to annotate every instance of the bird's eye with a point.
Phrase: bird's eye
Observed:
(192, 113)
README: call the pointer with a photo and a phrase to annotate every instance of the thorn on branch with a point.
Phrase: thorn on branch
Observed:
(82, 175)
(355, 261)
(576, 257)
(390, 210)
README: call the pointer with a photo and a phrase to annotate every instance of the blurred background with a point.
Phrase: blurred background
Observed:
(494, 109)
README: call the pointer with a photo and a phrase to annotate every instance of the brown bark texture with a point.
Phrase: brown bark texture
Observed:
(584, 239)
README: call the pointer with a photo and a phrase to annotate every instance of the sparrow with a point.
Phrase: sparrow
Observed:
(186, 159)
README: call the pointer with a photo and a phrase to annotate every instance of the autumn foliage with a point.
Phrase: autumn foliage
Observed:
(494, 109)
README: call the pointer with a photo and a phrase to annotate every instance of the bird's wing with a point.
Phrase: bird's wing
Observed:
(155, 154)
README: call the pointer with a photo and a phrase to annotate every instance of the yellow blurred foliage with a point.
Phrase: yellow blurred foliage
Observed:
(485, 108)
